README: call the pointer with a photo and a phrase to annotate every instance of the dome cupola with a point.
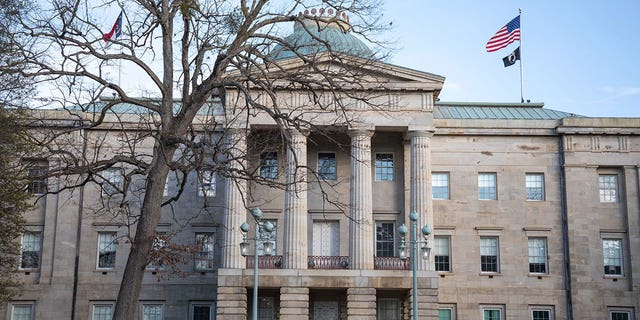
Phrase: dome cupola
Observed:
(320, 30)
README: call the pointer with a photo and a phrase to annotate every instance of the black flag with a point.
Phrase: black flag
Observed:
(511, 58)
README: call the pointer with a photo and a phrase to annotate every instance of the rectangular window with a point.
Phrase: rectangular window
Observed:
(159, 242)
(152, 312)
(266, 308)
(489, 254)
(268, 236)
(540, 315)
(31, 248)
(621, 314)
(327, 169)
(608, 184)
(202, 311)
(22, 312)
(384, 166)
(442, 253)
(534, 184)
(388, 309)
(612, 253)
(204, 256)
(102, 312)
(106, 250)
(112, 181)
(491, 313)
(487, 189)
(445, 314)
(385, 239)
(538, 255)
(269, 165)
(206, 184)
(36, 172)
(440, 185)
(173, 184)
(326, 238)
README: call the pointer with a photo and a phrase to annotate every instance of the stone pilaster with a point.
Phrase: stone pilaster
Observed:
(232, 303)
(361, 224)
(294, 303)
(234, 211)
(421, 201)
(295, 203)
(427, 304)
(361, 304)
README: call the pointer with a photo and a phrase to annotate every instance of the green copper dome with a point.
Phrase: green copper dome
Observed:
(312, 36)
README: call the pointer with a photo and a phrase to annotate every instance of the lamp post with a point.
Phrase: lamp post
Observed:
(426, 251)
(244, 250)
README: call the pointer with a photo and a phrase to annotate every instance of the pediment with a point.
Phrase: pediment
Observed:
(357, 72)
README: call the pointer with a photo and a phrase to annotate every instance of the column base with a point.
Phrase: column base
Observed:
(294, 303)
(361, 304)
(427, 304)
(232, 303)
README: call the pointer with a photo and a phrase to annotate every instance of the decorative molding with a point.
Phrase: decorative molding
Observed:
(595, 143)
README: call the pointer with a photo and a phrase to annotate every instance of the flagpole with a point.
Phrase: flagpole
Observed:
(521, 73)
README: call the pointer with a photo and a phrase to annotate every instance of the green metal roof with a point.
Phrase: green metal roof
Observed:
(310, 38)
(508, 111)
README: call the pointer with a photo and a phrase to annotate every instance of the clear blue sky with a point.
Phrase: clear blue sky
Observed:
(578, 56)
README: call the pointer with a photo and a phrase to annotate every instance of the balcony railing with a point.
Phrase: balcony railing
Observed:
(265, 262)
(391, 263)
(328, 262)
(331, 262)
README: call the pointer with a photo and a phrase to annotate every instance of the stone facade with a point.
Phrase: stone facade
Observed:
(532, 246)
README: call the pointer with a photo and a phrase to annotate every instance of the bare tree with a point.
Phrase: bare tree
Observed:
(14, 89)
(206, 66)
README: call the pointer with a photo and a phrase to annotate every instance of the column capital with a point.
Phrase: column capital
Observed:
(428, 133)
(361, 132)
(298, 132)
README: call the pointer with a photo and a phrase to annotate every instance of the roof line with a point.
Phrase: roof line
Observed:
(491, 104)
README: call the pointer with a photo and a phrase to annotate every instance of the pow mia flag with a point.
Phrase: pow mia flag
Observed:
(511, 58)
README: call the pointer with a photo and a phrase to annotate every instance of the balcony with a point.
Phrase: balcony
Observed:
(391, 263)
(328, 262)
(331, 262)
(266, 262)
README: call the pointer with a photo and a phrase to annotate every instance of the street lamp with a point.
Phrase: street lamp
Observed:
(244, 251)
(425, 249)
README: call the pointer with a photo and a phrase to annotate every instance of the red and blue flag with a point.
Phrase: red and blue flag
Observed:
(116, 30)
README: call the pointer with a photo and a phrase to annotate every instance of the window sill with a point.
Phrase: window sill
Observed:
(539, 275)
(490, 274)
(204, 272)
(613, 277)
(28, 271)
(105, 271)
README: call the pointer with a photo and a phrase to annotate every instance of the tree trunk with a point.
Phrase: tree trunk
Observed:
(150, 214)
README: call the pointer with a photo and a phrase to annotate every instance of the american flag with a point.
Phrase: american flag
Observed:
(506, 35)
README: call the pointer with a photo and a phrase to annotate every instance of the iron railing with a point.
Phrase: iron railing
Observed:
(391, 263)
(265, 262)
(328, 262)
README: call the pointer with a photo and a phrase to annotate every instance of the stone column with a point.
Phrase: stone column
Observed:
(361, 224)
(295, 203)
(234, 210)
(232, 303)
(294, 303)
(361, 304)
(421, 201)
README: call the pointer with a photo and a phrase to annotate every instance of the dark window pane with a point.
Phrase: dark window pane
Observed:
(201, 313)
